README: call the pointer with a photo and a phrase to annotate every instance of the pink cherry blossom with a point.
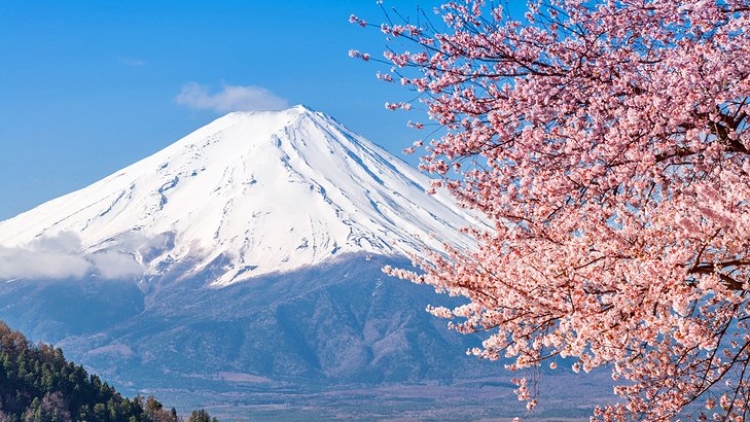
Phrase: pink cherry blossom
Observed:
(608, 142)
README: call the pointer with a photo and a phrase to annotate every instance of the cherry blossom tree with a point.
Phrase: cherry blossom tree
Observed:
(608, 142)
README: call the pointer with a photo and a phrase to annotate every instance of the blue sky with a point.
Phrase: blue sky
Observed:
(88, 87)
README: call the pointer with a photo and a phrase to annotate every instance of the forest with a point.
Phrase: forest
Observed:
(37, 384)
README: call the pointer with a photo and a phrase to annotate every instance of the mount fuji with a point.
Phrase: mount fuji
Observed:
(261, 192)
(241, 266)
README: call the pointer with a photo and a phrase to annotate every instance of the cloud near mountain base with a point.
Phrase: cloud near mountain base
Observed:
(60, 257)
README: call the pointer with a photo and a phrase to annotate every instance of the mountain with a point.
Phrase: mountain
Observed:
(241, 266)
(258, 192)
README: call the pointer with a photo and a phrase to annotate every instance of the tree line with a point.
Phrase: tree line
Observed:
(37, 384)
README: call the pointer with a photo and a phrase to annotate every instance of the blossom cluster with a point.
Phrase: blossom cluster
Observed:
(609, 144)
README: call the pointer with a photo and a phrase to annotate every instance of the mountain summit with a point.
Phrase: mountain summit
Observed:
(254, 193)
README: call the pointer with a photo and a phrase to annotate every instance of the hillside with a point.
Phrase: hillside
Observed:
(37, 384)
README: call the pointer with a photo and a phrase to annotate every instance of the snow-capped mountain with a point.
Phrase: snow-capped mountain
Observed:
(123, 275)
(270, 191)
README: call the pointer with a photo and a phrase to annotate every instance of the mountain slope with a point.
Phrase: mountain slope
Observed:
(291, 200)
(265, 191)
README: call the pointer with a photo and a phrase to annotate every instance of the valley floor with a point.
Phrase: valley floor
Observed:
(488, 401)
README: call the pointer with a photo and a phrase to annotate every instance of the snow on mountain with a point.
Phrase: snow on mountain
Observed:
(272, 191)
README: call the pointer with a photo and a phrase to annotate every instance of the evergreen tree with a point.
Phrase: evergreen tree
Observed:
(37, 384)
(201, 416)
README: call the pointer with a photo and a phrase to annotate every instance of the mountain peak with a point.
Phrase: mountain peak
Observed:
(251, 193)
(291, 111)
(303, 108)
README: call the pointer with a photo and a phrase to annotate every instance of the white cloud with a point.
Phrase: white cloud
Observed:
(28, 263)
(61, 257)
(230, 98)
(115, 265)
(132, 62)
